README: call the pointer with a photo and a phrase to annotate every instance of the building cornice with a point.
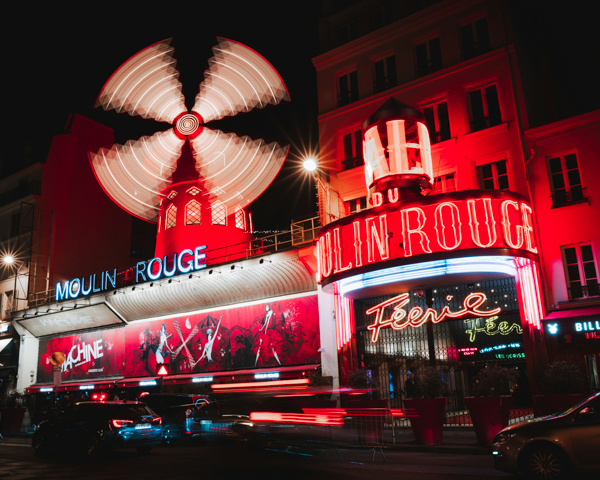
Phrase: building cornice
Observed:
(563, 126)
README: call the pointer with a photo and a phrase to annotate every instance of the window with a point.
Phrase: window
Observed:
(493, 176)
(172, 195)
(565, 180)
(385, 74)
(193, 213)
(444, 183)
(355, 205)
(581, 271)
(475, 39)
(171, 220)
(193, 191)
(438, 122)
(353, 151)
(219, 214)
(484, 108)
(240, 219)
(429, 57)
(348, 88)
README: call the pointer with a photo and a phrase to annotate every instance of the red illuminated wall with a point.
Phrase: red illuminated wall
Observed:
(241, 340)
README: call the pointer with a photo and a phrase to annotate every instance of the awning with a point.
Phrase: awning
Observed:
(4, 342)
(74, 320)
(235, 373)
(572, 313)
(38, 387)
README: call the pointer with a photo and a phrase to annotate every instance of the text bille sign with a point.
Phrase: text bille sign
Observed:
(84, 318)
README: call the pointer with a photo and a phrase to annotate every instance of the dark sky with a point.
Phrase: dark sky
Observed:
(58, 61)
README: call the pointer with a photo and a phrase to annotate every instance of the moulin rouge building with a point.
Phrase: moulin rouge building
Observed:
(213, 306)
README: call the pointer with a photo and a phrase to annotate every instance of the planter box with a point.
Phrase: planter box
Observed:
(426, 419)
(549, 404)
(12, 419)
(489, 416)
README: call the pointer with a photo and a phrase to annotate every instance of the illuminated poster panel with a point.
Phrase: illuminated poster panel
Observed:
(267, 334)
(88, 356)
(270, 333)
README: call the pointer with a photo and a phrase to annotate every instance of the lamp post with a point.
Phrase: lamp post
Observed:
(9, 261)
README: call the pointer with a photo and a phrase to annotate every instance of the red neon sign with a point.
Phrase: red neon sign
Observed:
(440, 223)
(416, 317)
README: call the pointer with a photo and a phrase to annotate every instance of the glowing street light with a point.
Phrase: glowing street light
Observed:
(310, 164)
(8, 259)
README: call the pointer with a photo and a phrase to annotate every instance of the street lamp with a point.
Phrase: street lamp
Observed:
(310, 164)
(8, 259)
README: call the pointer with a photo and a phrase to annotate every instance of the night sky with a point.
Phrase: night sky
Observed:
(58, 60)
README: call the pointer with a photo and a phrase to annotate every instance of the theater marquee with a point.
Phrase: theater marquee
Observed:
(459, 223)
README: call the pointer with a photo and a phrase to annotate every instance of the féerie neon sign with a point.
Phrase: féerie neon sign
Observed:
(434, 224)
(183, 262)
(401, 319)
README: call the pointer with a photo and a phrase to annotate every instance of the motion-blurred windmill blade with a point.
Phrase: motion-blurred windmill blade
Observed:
(238, 79)
(133, 174)
(146, 85)
(235, 170)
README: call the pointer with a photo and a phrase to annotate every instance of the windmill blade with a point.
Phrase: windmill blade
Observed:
(238, 79)
(133, 174)
(235, 170)
(146, 85)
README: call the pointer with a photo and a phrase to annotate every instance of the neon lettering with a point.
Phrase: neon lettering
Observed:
(393, 195)
(506, 225)
(140, 268)
(490, 328)
(149, 269)
(325, 248)
(199, 256)
(377, 199)
(400, 319)
(407, 231)
(113, 280)
(440, 227)
(527, 228)
(337, 248)
(490, 223)
(62, 292)
(74, 292)
(357, 244)
(379, 237)
(190, 263)
(375, 162)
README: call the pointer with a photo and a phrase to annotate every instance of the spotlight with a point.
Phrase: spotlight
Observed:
(233, 267)
(190, 276)
(170, 280)
(210, 272)
(151, 284)
(132, 289)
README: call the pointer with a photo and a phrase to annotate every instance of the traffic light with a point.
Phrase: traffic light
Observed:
(162, 369)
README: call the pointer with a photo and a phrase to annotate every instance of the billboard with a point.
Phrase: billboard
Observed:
(266, 334)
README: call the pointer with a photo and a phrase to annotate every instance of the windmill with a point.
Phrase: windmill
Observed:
(194, 181)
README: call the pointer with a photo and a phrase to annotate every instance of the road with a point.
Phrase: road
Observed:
(226, 461)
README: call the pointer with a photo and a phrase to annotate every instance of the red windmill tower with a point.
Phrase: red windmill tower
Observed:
(196, 182)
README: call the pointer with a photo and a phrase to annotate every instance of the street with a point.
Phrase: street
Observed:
(17, 462)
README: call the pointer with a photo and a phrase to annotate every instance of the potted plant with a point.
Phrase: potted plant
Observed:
(563, 385)
(491, 401)
(13, 412)
(427, 408)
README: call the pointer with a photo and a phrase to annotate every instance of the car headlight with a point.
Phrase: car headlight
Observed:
(503, 437)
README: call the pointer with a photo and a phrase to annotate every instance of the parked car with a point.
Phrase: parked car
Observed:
(554, 446)
(96, 426)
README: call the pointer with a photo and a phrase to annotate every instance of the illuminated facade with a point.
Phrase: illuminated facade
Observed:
(210, 304)
(429, 252)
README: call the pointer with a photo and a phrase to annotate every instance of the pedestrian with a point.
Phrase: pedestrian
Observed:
(410, 385)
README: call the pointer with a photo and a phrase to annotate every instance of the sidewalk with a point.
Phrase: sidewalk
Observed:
(15, 438)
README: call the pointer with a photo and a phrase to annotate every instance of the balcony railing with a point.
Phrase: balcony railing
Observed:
(303, 232)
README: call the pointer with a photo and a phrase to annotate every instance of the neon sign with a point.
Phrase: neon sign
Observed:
(490, 328)
(587, 326)
(468, 350)
(398, 230)
(400, 319)
(552, 328)
(185, 261)
(500, 347)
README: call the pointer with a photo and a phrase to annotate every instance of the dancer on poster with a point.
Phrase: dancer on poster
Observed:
(208, 346)
(266, 336)
(163, 350)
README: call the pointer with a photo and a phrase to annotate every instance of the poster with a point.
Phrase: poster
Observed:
(267, 334)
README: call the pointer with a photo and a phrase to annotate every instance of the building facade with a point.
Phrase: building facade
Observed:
(456, 63)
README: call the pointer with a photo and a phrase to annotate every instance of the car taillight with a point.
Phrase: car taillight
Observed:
(157, 420)
(121, 423)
